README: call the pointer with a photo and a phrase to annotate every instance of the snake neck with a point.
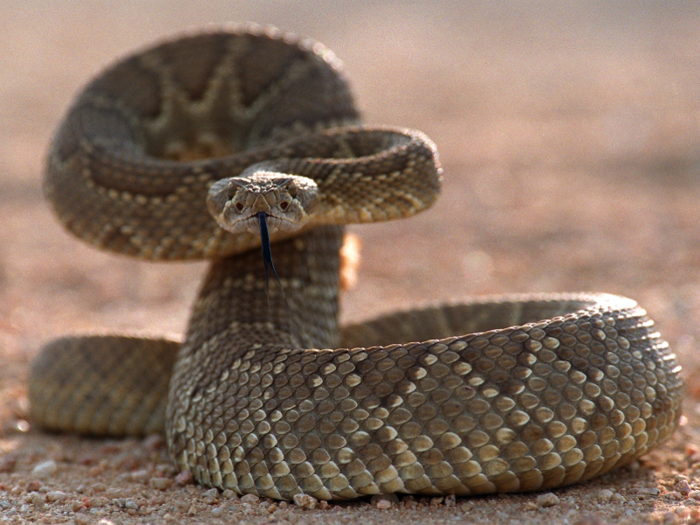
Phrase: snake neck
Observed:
(300, 312)
(234, 321)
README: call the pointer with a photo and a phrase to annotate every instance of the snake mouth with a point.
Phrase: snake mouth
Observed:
(275, 223)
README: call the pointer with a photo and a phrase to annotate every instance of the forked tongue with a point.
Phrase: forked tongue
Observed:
(267, 254)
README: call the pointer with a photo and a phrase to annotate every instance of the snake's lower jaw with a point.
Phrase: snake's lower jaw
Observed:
(283, 225)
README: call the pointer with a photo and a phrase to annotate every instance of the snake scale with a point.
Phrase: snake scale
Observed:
(182, 151)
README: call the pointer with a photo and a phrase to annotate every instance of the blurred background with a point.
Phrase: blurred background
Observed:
(569, 133)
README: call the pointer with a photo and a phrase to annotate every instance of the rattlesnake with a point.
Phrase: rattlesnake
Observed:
(542, 392)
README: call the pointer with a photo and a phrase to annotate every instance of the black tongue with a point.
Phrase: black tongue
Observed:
(267, 252)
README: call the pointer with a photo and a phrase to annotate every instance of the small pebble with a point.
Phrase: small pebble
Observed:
(604, 495)
(97, 502)
(113, 492)
(303, 501)
(694, 494)
(55, 495)
(683, 487)
(653, 491)
(140, 476)
(211, 493)
(184, 478)
(618, 498)
(33, 486)
(166, 470)
(409, 502)
(384, 501)
(383, 504)
(251, 499)
(548, 499)
(450, 500)
(229, 494)
(280, 514)
(78, 504)
(674, 495)
(162, 483)
(45, 469)
(79, 519)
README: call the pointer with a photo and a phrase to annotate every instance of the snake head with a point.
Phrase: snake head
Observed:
(286, 201)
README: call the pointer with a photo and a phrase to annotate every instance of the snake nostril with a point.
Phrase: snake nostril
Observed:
(284, 205)
(239, 207)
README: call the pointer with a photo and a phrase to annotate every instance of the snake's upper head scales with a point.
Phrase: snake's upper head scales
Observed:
(286, 200)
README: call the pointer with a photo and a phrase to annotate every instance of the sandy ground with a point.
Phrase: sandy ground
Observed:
(570, 137)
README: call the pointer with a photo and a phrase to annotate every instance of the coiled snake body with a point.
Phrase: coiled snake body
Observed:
(541, 392)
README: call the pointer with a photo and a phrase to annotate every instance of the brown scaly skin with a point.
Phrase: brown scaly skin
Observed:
(541, 392)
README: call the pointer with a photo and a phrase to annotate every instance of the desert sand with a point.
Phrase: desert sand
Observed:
(569, 133)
